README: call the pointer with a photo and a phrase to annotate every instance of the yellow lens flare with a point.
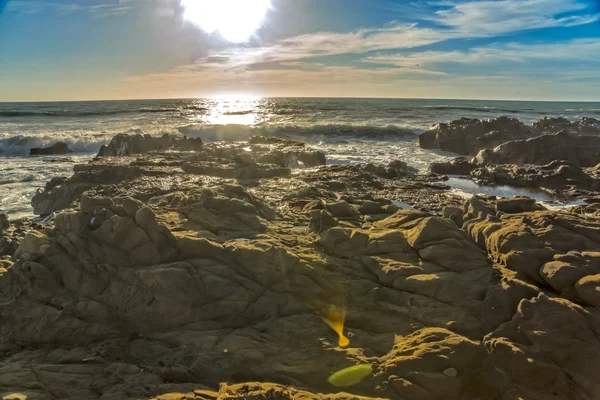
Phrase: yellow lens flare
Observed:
(335, 316)
(350, 376)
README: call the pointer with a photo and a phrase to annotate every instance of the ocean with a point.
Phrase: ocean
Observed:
(348, 130)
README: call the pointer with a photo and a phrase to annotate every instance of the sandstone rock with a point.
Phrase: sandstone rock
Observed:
(371, 207)
(342, 209)
(456, 166)
(454, 214)
(544, 356)
(4, 223)
(559, 176)
(468, 136)
(57, 148)
(126, 145)
(589, 289)
(582, 151)
(515, 205)
(321, 220)
(586, 126)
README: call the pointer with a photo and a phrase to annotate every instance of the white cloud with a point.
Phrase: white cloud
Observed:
(573, 52)
(481, 18)
(65, 8)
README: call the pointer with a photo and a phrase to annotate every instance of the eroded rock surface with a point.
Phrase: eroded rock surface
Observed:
(468, 136)
(167, 278)
(583, 151)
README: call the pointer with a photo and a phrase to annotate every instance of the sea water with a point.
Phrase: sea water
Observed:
(348, 130)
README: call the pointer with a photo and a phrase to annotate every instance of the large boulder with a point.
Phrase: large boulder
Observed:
(456, 166)
(583, 151)
(468, 136)
(57, 148)
(586, 126)
(126, 144)
(559, 177)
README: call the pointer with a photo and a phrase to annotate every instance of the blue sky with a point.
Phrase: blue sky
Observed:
(111, 49)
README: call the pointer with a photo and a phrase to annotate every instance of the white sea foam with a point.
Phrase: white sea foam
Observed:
(348, 130)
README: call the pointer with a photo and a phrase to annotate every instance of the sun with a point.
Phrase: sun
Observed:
(235, 20)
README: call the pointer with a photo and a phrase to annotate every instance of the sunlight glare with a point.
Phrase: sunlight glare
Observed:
(235, 20)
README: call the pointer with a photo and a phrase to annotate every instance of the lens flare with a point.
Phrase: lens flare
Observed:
(335, 316)
(235, 20)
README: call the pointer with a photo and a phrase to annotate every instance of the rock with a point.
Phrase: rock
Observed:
(89, 204)
(455, 214)
(169, 275)
(245, 159)
(57, 148)
(586, 126)
(589, 289)
(4, 223)
(342, 209)
(126, 144)
(371, 207)
(321, 220)
(582, 151)
(456, 166)
(450, 372)
(557, 177)
(516, 205)
(468, 136)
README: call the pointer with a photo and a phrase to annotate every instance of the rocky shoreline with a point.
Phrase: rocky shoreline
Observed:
(174, 269)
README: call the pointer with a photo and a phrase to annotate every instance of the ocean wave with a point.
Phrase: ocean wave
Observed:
(20, 144)
(73, 113)
(485, 109)
(312, 132)
(245, 112)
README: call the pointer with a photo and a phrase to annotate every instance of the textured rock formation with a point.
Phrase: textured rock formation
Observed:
(126, 144)
(558, 177)
(583, 151)
(57, 148)
(586, 126)
(456, 166)
(164, 283)
(468, 136)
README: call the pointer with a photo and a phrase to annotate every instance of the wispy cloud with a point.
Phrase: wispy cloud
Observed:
(504, 16)
(63, 8)
(570, 52)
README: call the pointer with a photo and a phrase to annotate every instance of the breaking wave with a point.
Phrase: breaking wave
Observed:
(333, 132)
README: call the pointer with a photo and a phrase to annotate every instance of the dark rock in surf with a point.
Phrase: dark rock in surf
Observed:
(468, 136)
(586, 126)
(582, 151)
(57, 148)
(456, 166)
(557, 177)
(126, 145)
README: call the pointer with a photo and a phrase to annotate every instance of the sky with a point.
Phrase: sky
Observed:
(463, 49)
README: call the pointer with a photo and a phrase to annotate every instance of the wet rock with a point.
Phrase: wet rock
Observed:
(126, 144)
(4, 223)
(57, 148)
(582, 151)
(371, 207)
(468, 136)
(342, 209)
(517, 205)
(562, 177)
(455, 214)
(586, 126)
(456, 166)
(588, 289)
(321, 220)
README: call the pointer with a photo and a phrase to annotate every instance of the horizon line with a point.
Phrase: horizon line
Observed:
(298, 97)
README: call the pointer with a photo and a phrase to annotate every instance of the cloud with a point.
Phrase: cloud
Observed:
(480, 18)
(547, 59)
(102, 10)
